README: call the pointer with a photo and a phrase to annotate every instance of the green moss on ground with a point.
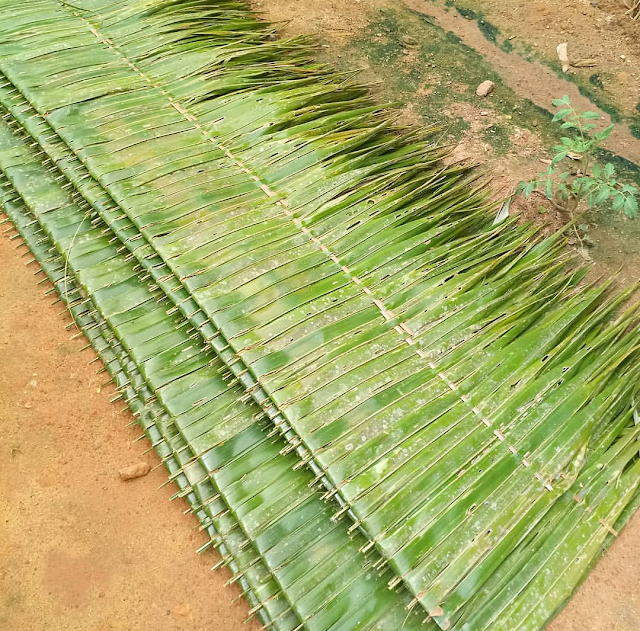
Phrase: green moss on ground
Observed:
(468, 14)
(444, 67)
(489, 30)
(595, 79)
(506, 46)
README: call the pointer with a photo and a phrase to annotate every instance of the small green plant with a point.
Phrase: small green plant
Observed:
(586, 180)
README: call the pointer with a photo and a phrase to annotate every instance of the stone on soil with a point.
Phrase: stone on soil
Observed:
(135, 471)
(485, 88)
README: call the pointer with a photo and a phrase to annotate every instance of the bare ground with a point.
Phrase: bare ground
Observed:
(82, 551)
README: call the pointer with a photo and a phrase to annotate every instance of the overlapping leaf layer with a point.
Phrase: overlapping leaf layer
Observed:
(289, 290)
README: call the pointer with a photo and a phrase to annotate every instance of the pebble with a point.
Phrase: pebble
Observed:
(485, 88)
(135, 471)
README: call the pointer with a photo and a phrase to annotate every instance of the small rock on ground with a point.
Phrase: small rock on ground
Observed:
(135, 471)
(485, 88)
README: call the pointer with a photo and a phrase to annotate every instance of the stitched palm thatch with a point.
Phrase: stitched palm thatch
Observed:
(262, 252)
(186, 406)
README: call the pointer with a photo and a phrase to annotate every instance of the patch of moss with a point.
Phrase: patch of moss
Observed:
(447, 71)
(626, 170)
(449, 3)
(638, 106)
(634, 127)
(542, 111)
(605, 106)
(527, 52)
(468, 14)
(453, 38)
(387, 45)
(489, 31)
(595, 79)
(529, 114)
(412, 79)
(498, 137)
(423, 17)
(507, 46)
(455, 126)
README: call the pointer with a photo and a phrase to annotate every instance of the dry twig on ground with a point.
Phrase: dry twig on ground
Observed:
(634, 8)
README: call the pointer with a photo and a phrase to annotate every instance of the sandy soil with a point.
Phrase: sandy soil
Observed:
(601, 33)
(597, 30)
(79, 549)
(532, 79)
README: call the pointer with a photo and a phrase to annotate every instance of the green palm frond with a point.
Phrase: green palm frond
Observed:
(446, 379)
(281, 543)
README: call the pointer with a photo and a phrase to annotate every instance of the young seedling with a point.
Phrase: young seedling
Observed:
(568, 187)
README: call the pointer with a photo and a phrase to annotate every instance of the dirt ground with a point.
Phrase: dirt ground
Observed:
(79, 549)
